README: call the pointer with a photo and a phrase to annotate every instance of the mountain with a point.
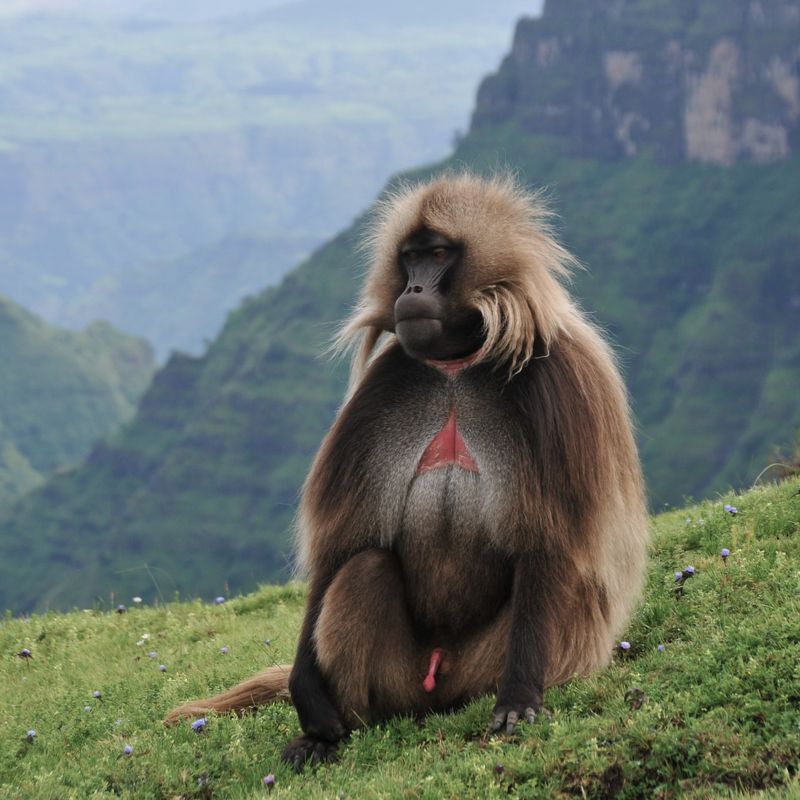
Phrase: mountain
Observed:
(692, 267)
(708, 81)
(60, 391)
(184, 300)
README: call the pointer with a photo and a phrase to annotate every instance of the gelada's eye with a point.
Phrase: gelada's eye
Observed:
(411, 257)
(440, 255)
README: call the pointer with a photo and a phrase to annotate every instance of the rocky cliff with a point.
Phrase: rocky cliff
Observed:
(685, 79)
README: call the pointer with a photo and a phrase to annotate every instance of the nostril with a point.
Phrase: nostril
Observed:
(417, 289)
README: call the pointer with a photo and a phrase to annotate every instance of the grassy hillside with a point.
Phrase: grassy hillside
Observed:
(60, 391)
(716, 714)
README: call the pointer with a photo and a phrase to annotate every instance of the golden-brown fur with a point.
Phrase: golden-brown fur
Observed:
(515, 264)
(268, 686)
(522, 571)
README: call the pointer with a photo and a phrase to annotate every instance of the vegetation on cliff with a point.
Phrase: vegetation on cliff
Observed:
(59, 392)
(691, 268)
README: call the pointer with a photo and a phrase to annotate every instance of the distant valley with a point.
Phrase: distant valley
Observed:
(131, 141)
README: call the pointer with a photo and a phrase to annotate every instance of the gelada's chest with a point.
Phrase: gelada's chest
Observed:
(445, 463)
(446, 535)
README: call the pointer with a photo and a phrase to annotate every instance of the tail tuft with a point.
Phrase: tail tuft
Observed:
(269, 686)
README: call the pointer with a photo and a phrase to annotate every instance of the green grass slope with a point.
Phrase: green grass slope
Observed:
(59, 392)
(715, 715)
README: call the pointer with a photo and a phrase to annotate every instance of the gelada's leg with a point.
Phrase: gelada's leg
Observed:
(365, 641)
(373, 659)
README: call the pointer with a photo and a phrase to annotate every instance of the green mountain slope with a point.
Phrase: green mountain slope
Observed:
(699, 293)
(692, 267)
(60, 391)
(217, 451)
(694, 270)
(713, 715)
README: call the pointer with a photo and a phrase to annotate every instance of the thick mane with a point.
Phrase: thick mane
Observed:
(516, 266)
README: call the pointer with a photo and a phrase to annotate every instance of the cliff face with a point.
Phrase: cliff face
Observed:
(706, 80)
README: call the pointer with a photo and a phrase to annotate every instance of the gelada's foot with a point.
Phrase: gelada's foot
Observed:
(308, 750)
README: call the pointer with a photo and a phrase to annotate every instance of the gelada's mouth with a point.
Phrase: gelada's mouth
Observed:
(417, 334)
(412, 317)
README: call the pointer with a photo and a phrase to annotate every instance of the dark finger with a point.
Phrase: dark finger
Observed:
(497, 722)
(513, 718)
(530, 715)
(322, 753)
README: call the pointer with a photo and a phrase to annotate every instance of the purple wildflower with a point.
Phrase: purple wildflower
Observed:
(269, 781)
(660, 648)
(121, 609)
(224, 650)
(219, 600)
(198, 726)
(688, 572)
(724, 553)
(732, 510)
(127, 749)
(162, 667)
(30, 735)
(97, 694)
(152, 654)
(25, 653)
(624, 646)
(678, 577)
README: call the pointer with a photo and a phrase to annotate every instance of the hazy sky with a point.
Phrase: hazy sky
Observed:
(211, 8)
(125, 7)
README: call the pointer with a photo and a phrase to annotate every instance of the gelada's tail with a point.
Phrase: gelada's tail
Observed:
(269, 686)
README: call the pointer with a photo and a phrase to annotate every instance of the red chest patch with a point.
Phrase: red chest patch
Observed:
(446, 448)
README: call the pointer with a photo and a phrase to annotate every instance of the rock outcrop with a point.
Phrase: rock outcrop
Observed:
(709, 80)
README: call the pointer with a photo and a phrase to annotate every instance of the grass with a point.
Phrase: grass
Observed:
(716, 714)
